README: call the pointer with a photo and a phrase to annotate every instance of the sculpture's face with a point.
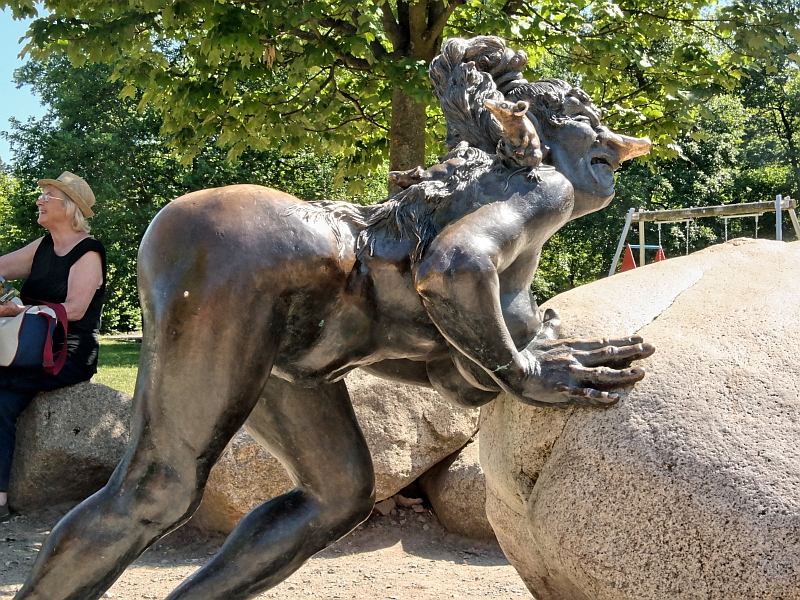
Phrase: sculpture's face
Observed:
(587, 153)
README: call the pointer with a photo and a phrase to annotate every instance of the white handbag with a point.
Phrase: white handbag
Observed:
(26, 340)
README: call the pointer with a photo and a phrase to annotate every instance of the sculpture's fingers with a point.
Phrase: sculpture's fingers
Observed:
(607, 375)
(587, 396)
(595, 343)
(614, 355)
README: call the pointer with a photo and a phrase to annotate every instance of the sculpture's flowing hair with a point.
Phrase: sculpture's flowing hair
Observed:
(409, 214)
(461, 86)
(465, 74)
(499, 75)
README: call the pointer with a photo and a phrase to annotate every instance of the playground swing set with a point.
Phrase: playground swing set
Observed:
(688, 215)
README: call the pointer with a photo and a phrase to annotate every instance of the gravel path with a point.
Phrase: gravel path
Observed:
(404, 556)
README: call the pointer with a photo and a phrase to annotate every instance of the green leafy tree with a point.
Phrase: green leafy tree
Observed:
(350, 76)
(90, 130)
(9, 233)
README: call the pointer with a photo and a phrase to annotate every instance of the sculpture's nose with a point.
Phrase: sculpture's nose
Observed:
(627, 147)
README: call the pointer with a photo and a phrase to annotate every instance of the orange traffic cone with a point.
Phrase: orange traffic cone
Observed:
(628, 261)
(660, 255)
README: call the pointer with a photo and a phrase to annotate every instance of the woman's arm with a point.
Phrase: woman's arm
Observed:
(17, 264)
(85, 276)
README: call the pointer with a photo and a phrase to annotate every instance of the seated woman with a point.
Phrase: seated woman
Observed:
(66, 266)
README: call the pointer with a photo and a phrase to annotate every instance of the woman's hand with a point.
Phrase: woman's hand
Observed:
(9, 309)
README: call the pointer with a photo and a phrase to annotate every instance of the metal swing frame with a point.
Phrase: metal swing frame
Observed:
(726, 211)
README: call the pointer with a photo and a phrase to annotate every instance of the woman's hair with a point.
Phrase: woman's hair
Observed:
(79, 222)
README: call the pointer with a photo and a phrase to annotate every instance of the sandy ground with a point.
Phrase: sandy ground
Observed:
(405, 556)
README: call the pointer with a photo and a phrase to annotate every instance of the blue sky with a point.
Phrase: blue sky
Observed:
(15, 103)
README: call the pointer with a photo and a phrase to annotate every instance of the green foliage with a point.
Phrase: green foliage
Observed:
(322, 73)
(9, 233)
(93, 132)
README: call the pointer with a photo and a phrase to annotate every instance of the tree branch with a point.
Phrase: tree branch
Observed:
(513, 7)
(417, 23)
(439, 15)
(310, 101)
(364, 115)
(390, 26)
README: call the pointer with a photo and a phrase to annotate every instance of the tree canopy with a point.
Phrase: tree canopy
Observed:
(88, 129)
(350, 76)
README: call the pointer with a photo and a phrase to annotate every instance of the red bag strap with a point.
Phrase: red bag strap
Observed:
(53, 367)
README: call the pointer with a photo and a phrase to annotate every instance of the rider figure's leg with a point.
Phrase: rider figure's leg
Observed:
(315, 435)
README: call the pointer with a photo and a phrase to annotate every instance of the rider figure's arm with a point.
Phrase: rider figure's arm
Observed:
(460, 287)
(459, 281)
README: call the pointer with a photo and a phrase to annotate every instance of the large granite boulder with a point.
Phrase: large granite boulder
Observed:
(690, 486)
(245, 476)
(408, 430)
(456, 488)
(69, 441)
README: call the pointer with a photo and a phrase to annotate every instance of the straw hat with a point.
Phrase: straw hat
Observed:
(76, 188)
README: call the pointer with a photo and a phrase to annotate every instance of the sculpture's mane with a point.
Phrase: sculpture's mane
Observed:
(410, 213)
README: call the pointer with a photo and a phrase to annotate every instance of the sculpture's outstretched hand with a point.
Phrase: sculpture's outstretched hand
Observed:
(574, 371)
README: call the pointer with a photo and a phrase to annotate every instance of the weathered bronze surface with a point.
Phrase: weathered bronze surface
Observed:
(256, 304)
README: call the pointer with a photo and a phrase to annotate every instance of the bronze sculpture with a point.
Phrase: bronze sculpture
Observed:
(257, 304)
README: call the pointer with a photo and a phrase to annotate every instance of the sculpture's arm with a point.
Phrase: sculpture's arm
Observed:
(459, 282)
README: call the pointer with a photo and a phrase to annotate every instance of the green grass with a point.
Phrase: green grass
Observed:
(118, 364)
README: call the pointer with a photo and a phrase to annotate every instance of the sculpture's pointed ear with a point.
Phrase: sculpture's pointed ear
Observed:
(521, 108)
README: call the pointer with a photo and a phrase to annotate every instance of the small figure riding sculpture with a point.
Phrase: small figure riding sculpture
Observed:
(257, 304)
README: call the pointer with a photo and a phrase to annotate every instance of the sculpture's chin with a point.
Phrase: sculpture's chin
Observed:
(588, 202)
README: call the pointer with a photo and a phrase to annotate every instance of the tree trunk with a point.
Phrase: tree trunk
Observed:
(407, 148)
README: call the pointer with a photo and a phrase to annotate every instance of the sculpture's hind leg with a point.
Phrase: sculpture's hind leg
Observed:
(191, 398)
(314, 433)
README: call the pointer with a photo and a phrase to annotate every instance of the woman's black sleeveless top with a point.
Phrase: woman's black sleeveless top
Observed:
(48, 281)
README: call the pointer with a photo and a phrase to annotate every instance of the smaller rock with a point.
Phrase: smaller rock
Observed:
(408, 428)
(385, 506)
(245, 476)
(418, 508)
(406, 502)
(69, 441)
(456, 488)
